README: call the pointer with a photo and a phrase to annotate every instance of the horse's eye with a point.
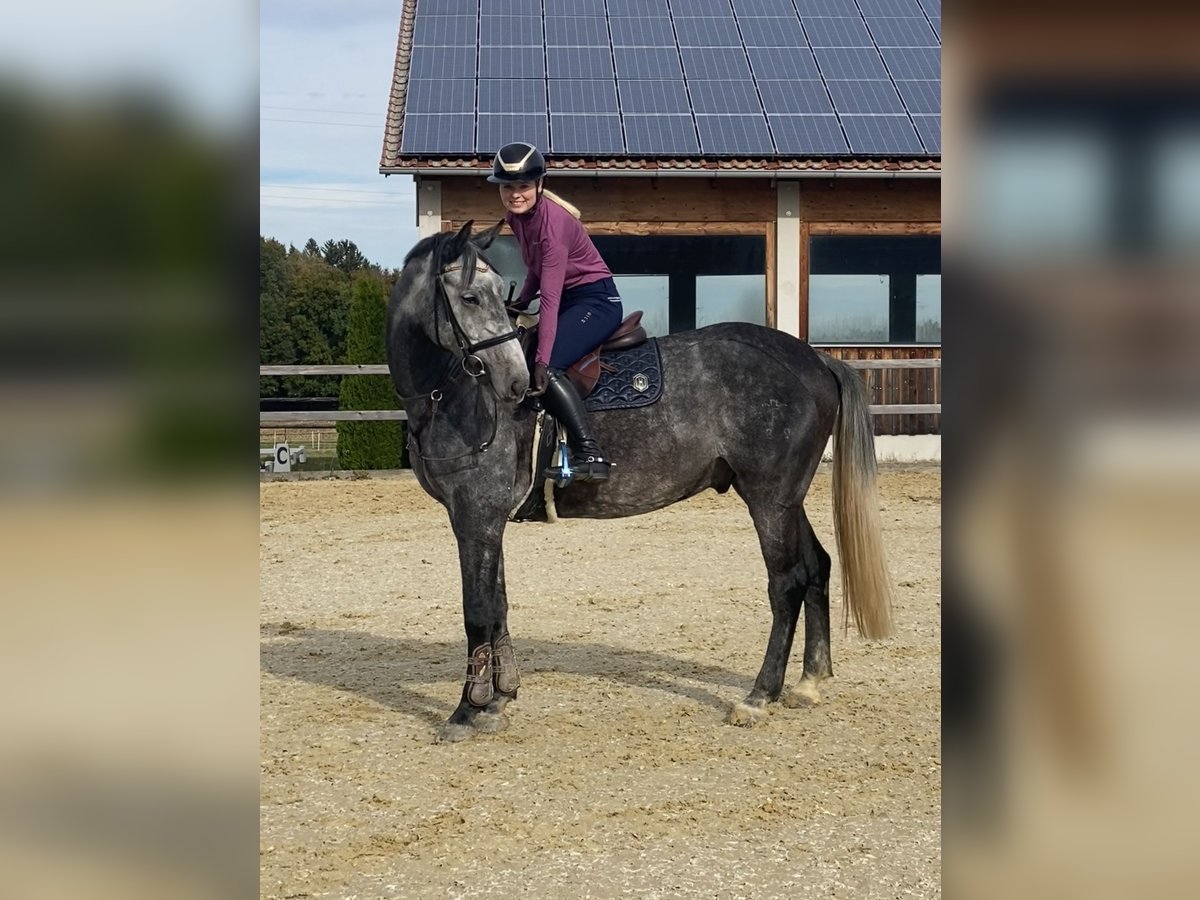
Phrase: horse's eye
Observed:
(471, 299)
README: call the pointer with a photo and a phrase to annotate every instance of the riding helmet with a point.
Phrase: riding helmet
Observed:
(517, 162)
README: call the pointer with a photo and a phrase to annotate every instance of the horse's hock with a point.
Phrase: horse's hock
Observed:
(635, 637)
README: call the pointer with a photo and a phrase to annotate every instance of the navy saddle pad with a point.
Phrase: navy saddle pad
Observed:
(636, 379)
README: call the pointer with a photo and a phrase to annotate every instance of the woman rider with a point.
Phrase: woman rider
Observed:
(580, 306)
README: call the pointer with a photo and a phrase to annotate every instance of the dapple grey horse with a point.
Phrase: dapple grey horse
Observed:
(743, 406)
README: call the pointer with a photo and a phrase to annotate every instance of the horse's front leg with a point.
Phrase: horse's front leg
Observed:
(485, 613)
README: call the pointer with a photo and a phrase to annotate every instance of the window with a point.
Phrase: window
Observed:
(874, 289)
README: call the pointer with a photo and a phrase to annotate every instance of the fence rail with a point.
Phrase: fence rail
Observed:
(309, 419)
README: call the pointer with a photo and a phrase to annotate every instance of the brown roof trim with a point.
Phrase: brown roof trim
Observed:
(395, 113)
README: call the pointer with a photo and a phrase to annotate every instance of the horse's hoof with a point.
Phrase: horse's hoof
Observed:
(803, 695)
(745, 714)
(490, 723)
(452, 733)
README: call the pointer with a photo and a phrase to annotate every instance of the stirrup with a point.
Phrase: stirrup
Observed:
(591, 468)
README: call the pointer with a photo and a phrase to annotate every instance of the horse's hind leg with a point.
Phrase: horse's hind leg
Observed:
(781, 532)
(817, 665)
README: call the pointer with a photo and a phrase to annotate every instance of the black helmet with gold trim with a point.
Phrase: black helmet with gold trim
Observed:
(517, 162)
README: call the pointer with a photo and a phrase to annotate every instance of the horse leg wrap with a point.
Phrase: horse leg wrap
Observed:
(479, 676)
(508, 677)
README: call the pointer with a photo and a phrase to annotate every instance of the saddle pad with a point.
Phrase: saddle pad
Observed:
(637, 381)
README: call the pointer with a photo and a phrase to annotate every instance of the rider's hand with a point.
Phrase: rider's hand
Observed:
(541, 379)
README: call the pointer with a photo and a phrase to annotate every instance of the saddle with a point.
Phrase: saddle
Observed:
(585, 372)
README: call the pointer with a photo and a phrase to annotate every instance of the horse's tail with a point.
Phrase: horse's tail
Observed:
(866, 587)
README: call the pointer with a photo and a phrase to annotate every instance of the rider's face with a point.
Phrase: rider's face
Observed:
(519, 196)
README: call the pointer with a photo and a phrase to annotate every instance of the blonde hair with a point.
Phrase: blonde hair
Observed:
(569, 207)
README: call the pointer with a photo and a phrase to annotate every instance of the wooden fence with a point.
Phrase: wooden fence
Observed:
(298, 418)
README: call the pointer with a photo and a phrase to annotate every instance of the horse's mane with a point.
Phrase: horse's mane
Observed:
(441, 247)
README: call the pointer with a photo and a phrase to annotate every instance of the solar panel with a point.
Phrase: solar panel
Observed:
(661, 135)
(795, 97)
(579, 62)
(512, 95)
(837, 32)
(877, 97)
(506, 7)
(734, 135)
(672, 77)
(890, 7)
(709, 31)
(775, 62)
(444, 31)
(914, 63)
(497, 130)
(715, 62)
(593, 96)
(745, 8)
(808, 135)
(902, 32)
(772, 31)
(510, 31)
(653, 97)
(921, 97)
(654, 31)
(442, 62)
(701, 8)
(511, 62)
(724, 97)
(440, 95)
(453, 7)
(574, 8)
(850, 63)
(586, 135)
(576, 31)
(437, 134)
(930, 130)
(637, 8)
(647, 62)
(826, 8)
(882, 135)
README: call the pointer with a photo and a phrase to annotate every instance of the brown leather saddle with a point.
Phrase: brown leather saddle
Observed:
(585, 372)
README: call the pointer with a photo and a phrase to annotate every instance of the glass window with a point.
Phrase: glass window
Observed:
(929, 309)
(730, 298)
(848, 308)
(874, 289)
(651, 294)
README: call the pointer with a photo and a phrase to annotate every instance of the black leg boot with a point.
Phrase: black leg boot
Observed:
(587, 460)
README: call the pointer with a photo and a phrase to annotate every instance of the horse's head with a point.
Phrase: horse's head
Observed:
(469, 318)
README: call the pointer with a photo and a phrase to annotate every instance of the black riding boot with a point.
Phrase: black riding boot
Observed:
(563, 402)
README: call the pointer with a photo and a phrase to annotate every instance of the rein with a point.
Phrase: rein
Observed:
(471, 364)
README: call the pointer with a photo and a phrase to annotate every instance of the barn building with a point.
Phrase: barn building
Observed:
(770, 161)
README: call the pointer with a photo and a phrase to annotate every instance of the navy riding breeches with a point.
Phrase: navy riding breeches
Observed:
(587, 317)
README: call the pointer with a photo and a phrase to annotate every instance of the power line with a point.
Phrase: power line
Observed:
(310, 122)
(311, 199)
(301, 187)
(343, 112)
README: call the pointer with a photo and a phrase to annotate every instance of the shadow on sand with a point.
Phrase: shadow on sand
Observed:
(390, 670)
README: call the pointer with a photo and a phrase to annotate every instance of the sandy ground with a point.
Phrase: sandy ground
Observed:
(616, 776)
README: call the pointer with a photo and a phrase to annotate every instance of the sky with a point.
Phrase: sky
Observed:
(325, 69)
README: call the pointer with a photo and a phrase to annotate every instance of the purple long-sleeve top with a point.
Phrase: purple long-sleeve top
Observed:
(558, 255)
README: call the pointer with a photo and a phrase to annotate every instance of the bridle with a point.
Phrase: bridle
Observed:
(472, 365)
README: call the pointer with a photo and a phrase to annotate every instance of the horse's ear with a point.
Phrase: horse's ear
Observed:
(484, 239)
(464, 235)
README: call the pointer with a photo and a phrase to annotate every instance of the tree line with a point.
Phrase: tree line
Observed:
(327, 305)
